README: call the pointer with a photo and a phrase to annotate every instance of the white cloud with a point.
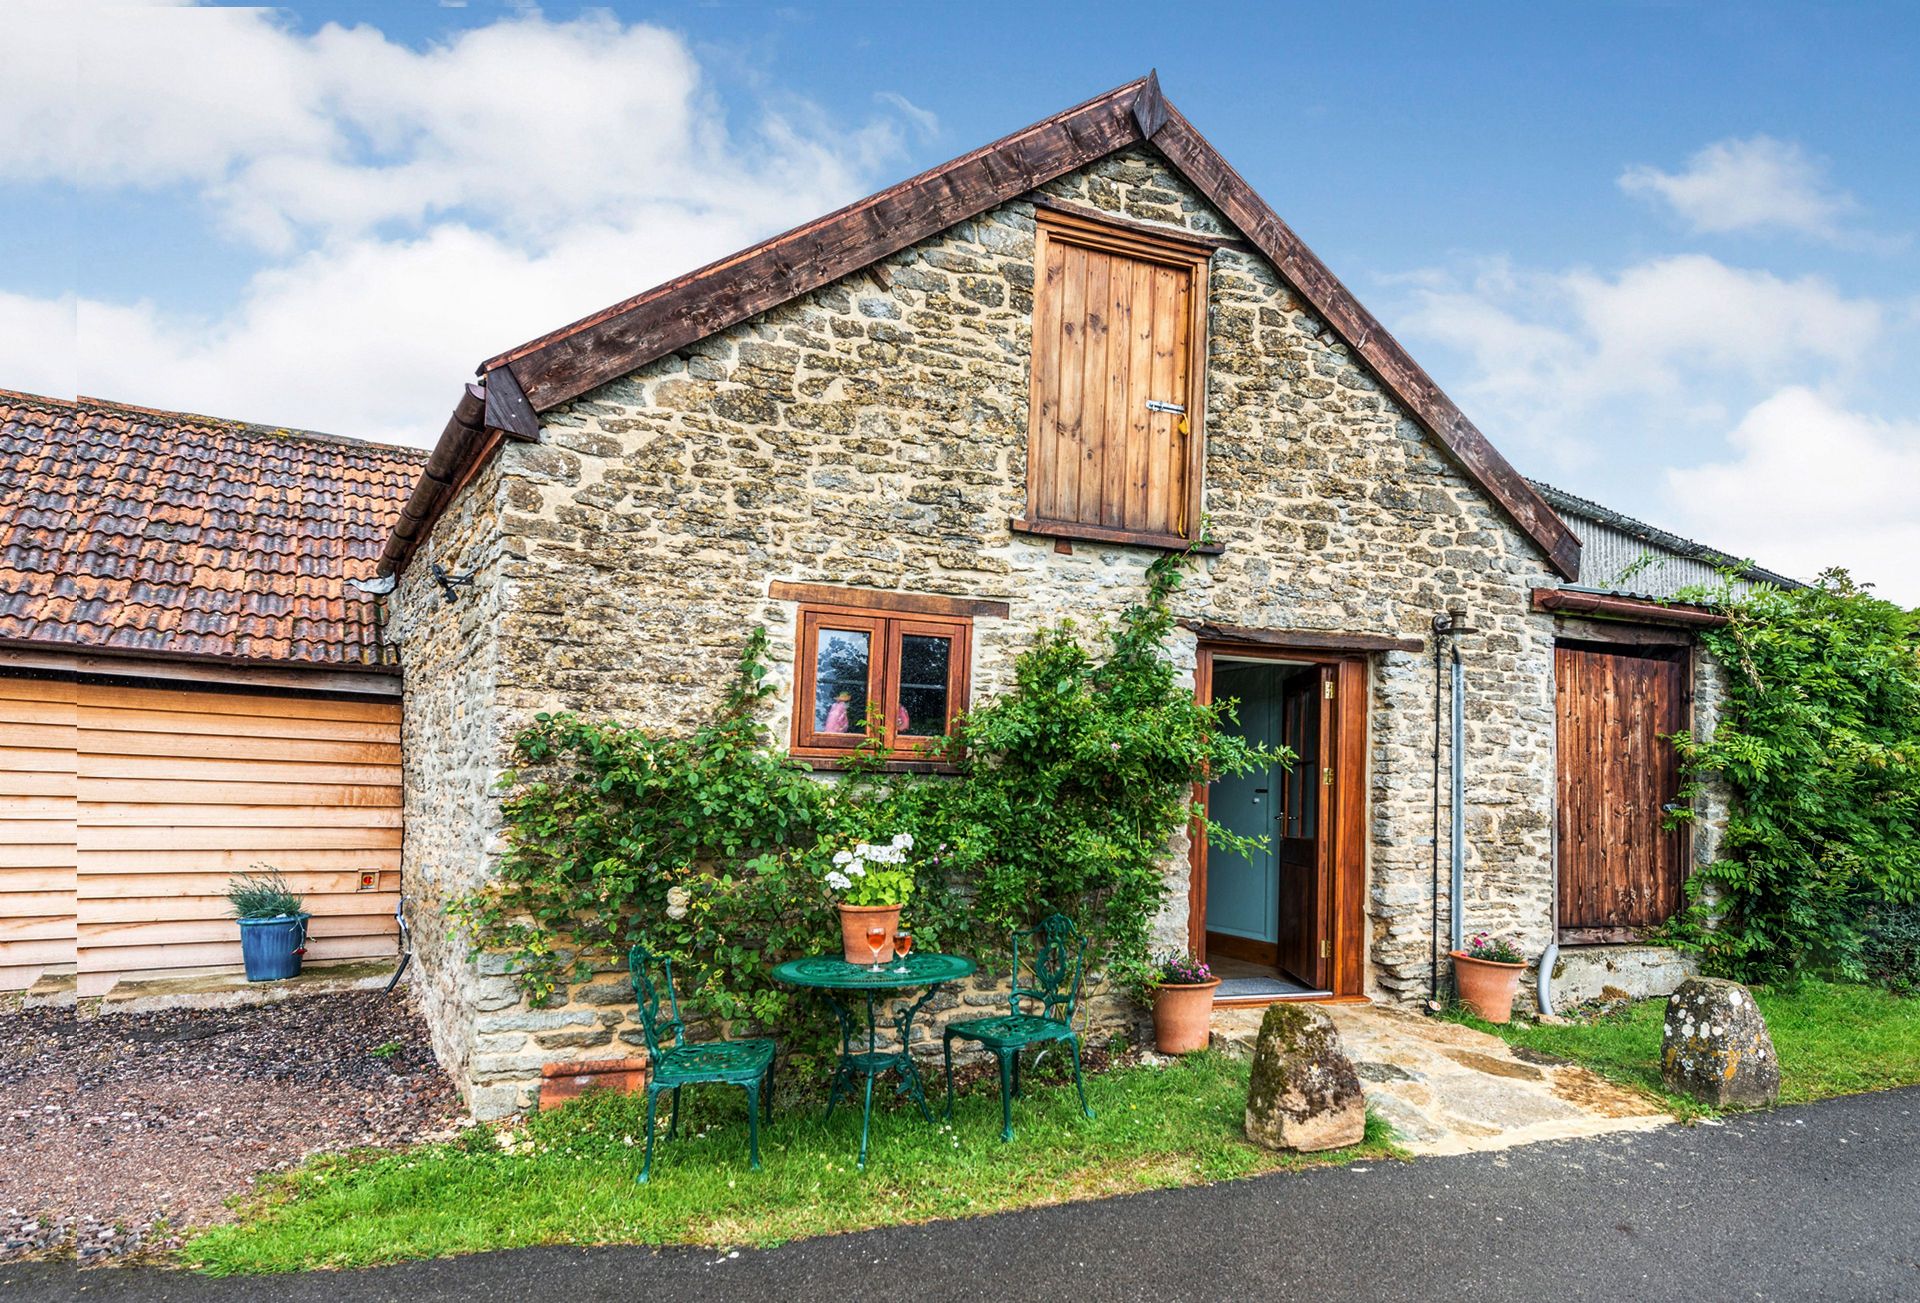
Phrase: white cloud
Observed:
(1809, 484)
(420, 209)
(523, 125)
(1549, 353)
(33, 335)
(1755, 184)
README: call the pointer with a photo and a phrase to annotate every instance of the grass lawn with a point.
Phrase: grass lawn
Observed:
(570, 1176)
(1832, 1039)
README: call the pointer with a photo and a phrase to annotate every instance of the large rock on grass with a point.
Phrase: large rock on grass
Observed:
(1303, 1093)
(1716, 1046)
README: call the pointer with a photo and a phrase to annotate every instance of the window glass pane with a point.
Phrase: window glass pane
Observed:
(840, 681)
(923, 684)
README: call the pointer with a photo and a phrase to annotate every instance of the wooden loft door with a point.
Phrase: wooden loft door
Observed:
(1622, 871)
(1119, 339)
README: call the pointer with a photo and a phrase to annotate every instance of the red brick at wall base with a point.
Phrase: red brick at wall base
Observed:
(560, 1082)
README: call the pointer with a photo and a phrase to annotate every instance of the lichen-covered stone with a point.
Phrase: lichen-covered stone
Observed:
(1716, 1046)
(1303, 1093)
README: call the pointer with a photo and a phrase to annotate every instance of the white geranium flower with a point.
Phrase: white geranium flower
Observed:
(904, 841)
(843, 857)
(839, 881)
(857, 869)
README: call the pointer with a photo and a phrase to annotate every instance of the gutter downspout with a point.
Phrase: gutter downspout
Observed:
(1440, 622)
(1551, 958)
(1457, 831)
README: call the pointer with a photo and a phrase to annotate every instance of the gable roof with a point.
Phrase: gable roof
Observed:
(543, 373)
(124, 529)
(1617, 544)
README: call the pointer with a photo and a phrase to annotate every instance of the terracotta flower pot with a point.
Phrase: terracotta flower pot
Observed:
(1183, 1017)
(854, 921)
(1485, 987)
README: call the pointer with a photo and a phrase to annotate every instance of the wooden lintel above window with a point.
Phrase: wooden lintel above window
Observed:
(873, 599)
(1108, 534)
(1168, 234)
(1304, 639)
(1613, 607)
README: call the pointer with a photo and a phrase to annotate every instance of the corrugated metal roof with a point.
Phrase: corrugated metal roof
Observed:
(128, 529)
(1619, 554)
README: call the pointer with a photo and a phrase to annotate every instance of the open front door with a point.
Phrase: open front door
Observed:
(1302, 833)
(1286, 921)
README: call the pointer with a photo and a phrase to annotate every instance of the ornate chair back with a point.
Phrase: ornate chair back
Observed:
(1054, 952)
(650, 995)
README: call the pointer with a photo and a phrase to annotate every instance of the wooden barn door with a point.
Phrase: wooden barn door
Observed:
(1621, 870)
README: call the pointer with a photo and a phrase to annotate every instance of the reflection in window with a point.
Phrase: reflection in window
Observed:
(924, 664)
(840, 681)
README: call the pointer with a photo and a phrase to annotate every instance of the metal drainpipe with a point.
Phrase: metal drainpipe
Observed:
(1457, 832)
(1440, 623)
(1552, 955)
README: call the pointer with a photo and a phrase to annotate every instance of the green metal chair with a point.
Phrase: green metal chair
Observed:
(1055, 954)
(747, 1063)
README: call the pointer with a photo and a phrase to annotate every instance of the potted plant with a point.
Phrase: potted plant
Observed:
(1487, 975)
(872, 883)
(273, 924)
(1182, 1004)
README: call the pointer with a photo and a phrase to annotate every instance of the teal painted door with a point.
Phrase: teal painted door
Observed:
(1243, 901)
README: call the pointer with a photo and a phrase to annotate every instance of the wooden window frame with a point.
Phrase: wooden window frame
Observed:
(1193, 255)
(886, 627)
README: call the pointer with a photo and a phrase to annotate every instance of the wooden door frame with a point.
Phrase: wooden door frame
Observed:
(1344, 910)
(1627, 640)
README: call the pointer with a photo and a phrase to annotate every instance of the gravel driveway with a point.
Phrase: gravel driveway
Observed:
(118, 1132)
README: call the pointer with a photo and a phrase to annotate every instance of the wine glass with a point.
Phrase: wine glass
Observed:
(876, 942)
(902, 947)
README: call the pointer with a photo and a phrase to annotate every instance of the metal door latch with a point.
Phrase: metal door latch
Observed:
(1157, 405)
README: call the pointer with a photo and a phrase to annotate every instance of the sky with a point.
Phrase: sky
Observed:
(1666, 255)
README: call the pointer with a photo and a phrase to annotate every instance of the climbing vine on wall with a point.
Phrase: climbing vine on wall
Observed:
(1819, 742)
(1065, 793)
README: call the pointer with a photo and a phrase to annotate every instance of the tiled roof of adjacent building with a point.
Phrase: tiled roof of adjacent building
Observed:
(163, 533)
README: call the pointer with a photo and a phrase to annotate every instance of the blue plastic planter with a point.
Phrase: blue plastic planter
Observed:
(271, 947)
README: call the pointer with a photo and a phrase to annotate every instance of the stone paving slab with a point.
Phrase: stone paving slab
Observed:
(1449, 1089)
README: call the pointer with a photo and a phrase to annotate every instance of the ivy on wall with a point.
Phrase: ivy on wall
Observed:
(1819, 742)
(1065, 794)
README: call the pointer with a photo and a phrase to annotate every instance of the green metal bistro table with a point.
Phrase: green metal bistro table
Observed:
(843, 983)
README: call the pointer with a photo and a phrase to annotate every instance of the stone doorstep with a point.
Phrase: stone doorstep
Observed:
(234, 991)
(568, 1080)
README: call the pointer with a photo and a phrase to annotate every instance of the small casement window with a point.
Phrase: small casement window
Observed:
(909, 668)
(1114, 445)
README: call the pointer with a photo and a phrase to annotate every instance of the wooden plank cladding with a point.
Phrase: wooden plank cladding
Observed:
(147, 800)
(1117, 394)
(38, 809)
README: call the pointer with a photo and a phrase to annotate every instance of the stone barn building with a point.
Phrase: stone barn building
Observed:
(907, 435)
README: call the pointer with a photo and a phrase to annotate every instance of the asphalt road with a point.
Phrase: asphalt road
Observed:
(1820, 1202)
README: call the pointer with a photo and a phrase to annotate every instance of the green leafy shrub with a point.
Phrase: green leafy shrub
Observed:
(1890, 946)
(717, 848)
(1819, 741)
(262, 892)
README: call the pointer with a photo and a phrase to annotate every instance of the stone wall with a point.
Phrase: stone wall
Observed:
(454, 750)
(873, 434)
